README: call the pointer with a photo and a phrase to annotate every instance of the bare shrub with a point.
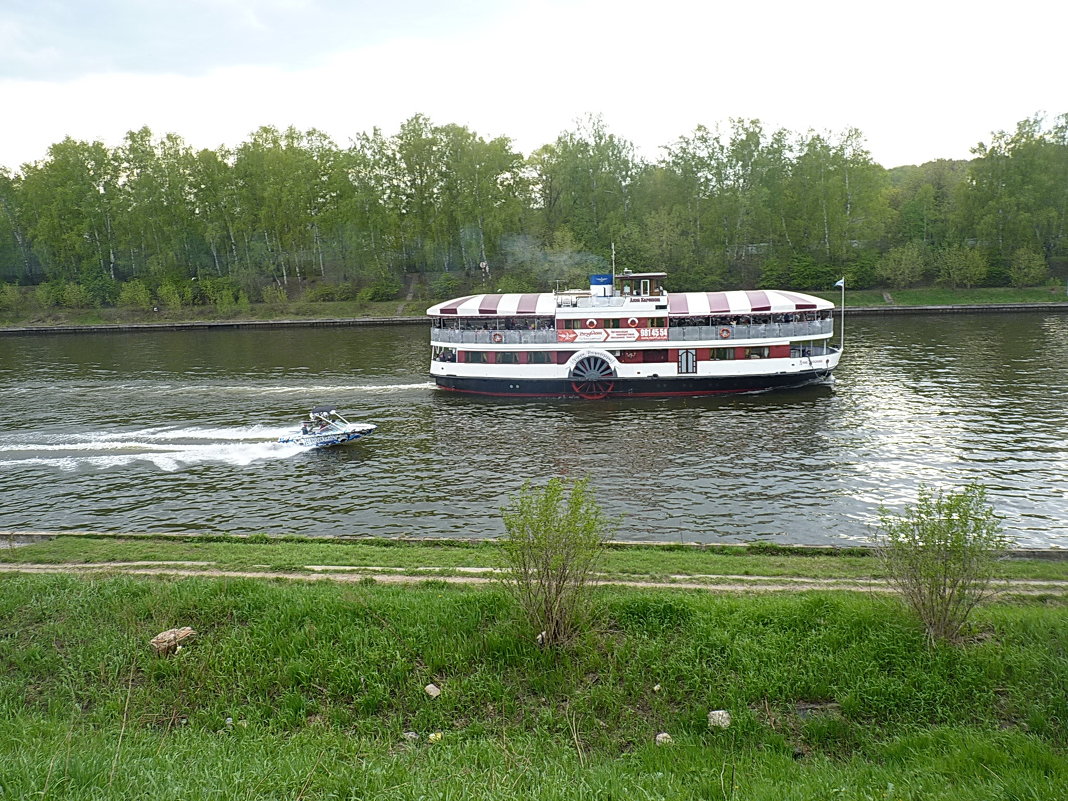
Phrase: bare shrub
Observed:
(553, 544)
(941, 556)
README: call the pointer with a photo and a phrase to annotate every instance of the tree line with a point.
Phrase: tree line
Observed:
(291, 213)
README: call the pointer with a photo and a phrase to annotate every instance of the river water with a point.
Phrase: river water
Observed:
(176, 432)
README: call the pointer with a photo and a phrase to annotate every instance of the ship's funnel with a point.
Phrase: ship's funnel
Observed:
(600, 286)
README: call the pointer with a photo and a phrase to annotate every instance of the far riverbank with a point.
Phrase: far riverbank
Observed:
(336, 322)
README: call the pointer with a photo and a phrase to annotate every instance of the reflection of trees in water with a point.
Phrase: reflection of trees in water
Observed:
(933, 399)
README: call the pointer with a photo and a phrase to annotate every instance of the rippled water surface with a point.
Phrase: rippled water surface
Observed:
(176, 431)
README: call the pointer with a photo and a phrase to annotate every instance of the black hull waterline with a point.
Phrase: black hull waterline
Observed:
(629, 387)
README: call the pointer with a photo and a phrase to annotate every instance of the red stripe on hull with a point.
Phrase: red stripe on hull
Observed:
(696, 394)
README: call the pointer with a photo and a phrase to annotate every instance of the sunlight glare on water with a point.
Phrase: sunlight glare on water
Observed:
(177, 432)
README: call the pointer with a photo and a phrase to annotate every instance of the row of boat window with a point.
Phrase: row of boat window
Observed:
(549, 323)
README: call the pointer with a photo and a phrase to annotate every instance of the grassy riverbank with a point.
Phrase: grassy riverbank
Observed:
(299, 690)
(28, 315)
(831, 694)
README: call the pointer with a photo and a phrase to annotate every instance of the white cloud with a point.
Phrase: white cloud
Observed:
(921, 81)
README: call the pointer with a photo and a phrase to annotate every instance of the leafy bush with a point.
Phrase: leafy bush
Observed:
(77, 296)
(135, 295)
(805, 273)
(222, 293)
(274, 294)
(385, 287)
(774, 274)
(10, 297)
(102, 289)
(941, 556)
(320, 293)
(553, 544)
(903, 266)
(516, 283)
(1028, 268)
(960, 266)
(49, 295)
(445, 286)
(174, 295)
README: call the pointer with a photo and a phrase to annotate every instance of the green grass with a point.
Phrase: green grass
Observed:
(297, 310)
(833, 695)
(652, 562)
(941, 296)
(301, 310)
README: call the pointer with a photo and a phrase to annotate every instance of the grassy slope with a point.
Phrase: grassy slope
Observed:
(629, 562)
(932, 296)
(833, 695)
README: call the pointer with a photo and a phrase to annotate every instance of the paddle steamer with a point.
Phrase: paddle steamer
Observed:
(627, 336)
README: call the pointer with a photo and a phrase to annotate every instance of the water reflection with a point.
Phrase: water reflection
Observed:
(176, 432)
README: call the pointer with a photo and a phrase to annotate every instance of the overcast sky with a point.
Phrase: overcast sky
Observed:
(921, 80)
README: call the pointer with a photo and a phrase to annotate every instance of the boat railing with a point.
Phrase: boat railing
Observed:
(804, 328)
(694, 333)
(456, 336)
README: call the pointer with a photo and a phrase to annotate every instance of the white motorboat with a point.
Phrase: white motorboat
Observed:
(325, 428)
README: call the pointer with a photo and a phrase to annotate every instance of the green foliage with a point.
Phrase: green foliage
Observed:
(724, 207)
(320, 293)
(774, 274)
(517, 283)
(11, 298)
(903, 266)
(222, 293)
(960, 266)
(274, 294)
(553, 544)
(175, 294)
(805, 273)
(384, 287)
(49, 295)
(445, 286)
(1028, 268)
(77, 296)
(942, 556)
(135, 295)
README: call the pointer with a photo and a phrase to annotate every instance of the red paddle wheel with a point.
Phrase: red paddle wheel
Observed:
(592, 378)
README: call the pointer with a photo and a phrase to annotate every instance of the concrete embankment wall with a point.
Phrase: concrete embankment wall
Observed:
(122, 328)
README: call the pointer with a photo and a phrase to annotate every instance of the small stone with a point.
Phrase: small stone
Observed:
(656, 688)
(170, 642)
(719, 719)
(411, 736)
(664, 738)
(435, 737)
(432, 690)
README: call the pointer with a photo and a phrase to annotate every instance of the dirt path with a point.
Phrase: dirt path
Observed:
(477, 575)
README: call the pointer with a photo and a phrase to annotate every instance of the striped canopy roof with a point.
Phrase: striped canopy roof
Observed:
(700, 304)
(680, 304)
(512, 305)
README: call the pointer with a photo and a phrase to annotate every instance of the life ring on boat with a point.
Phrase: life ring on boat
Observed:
(724, 333)
(591, 323)
(498, 337)
(633, 322)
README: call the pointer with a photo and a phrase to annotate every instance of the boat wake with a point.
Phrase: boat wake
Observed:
(167, 449)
